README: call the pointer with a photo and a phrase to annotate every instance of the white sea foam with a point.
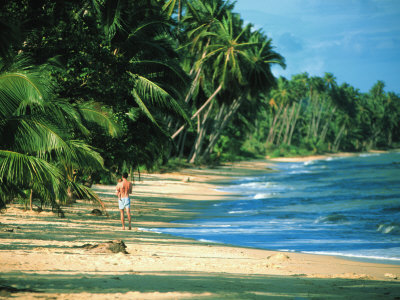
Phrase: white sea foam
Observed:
(246, 187)
(216, 225)
(242, 212)
(389, 228)
(207, 241)
(296, 166)
(150, 230)
(334, 218)
(369, 154)
(259, 185)
(263, 195)
(300, 172)
(354, 255)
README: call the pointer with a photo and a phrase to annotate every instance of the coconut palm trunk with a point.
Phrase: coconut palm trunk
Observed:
(272, 129)
(218, 89)
(293, 126)
(231, 111)
(288, 123)
(201, 134)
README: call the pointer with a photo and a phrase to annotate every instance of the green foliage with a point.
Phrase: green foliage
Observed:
(288, 151)
(255, 146)
(127, 61)
(109, 82)
(230, 148)
(230, 64)
(38, 151)
(316, 115)
(172, 165)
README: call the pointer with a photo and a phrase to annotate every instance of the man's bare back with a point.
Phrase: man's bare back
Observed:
(124, 188)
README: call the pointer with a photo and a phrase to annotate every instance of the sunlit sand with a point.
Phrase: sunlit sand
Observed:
(41, 255)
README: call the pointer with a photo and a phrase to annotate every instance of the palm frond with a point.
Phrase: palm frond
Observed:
(169, 65)
(38, 135)
(109, 14)
(157, 95)
(19, 91)
(85, 192)
(133, 113)
(93, 112)
(139, 101)
(67, 115)
(85, 156)
(144, 25)
(169, 7)
(25, 169)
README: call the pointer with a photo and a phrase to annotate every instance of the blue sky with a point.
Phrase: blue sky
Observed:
(356, 40)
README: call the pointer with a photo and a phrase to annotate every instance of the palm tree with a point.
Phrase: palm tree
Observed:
(374, 104)
(201, 21)
(38, 152)
(280, 97)
(391, 120)
(241, 60)
(330, 80)
(316, 88)
(256, 59)
(226, 58)
(134, 68)
(346, 99)
(130, 35)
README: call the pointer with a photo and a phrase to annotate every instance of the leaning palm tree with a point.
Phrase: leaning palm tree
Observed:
(241, 61)
(38, 151)
(201, 22)
(281, 97)
(252, 56)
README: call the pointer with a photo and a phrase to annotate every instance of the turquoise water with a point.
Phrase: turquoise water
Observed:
(347, 206)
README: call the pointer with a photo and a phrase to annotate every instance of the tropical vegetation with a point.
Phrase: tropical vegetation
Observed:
(93, 88)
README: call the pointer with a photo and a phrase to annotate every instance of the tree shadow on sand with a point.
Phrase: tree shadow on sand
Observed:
(220, 286)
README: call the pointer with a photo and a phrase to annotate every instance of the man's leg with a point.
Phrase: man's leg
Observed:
(122, 218)
(128, 213)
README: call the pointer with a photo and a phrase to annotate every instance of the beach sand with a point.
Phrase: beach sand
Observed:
(43, 256)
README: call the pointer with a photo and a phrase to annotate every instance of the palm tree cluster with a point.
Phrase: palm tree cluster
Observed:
(39, 153)
(229, 64)
(90, 97)
(92, 88)
(312, 114)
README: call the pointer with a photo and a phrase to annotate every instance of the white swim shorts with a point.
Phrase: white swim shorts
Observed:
(124, 203)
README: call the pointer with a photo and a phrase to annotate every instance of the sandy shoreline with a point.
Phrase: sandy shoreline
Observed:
(41, 255)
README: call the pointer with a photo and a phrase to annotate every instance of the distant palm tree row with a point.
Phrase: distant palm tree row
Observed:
(90, 88)
(311, 114)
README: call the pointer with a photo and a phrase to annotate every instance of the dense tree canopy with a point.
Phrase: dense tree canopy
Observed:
(98, 87)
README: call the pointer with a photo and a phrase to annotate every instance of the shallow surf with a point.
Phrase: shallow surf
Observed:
(344, 206)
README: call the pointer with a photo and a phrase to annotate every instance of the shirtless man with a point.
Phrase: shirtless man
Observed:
(124, 188)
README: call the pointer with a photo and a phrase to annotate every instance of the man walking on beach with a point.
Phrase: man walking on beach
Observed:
(124, 188)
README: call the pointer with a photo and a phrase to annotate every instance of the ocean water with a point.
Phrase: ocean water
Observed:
(345, 206)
